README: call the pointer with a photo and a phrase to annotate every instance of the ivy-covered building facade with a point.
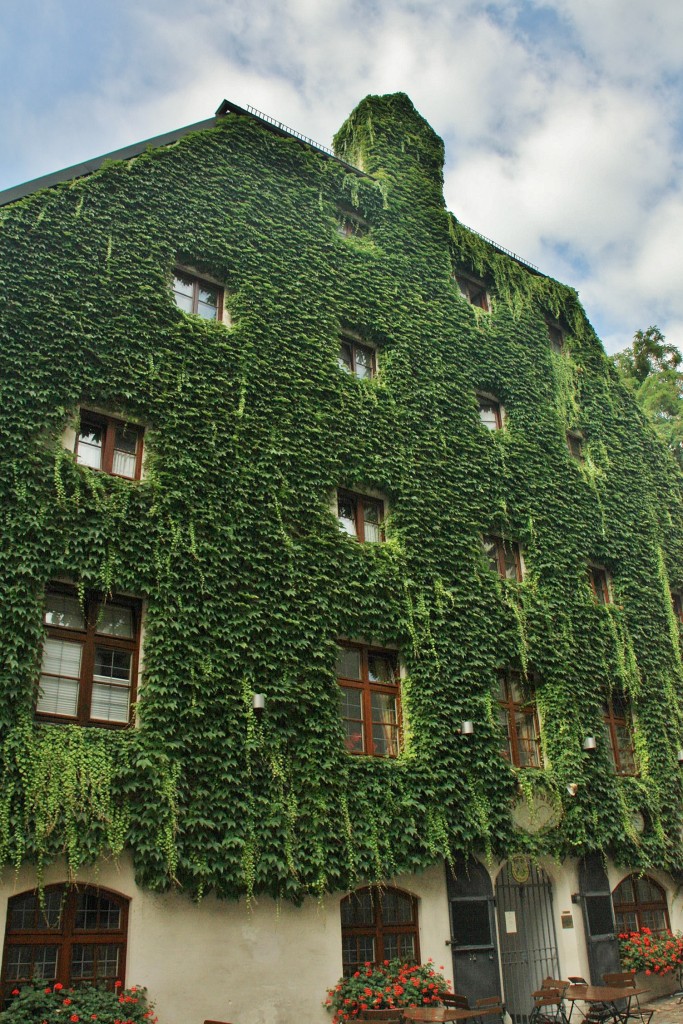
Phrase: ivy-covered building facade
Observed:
(275, 423)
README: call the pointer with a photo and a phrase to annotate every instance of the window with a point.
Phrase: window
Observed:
(618, 726)
(77, 936)
(473, 290)
(504, 557)
(575, 444)
(361, 517)
(109, 445)
(350, 223)
(356, 358)
(369, 699)
(193, 295)
(555, 337)
(600, 584)
(377, 925)
(90, 658)
(519, 721)
(490, 412)
(677, 602)
(640, 903)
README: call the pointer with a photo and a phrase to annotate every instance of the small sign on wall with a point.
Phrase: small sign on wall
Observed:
(567, 919)
(510, 922)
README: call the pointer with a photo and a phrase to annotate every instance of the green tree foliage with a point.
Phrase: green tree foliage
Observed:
(651, 368)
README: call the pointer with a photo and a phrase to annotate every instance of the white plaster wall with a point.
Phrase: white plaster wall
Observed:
(216, 960)
(273, 964)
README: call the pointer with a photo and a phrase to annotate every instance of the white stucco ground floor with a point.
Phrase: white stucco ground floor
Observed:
(503, 926)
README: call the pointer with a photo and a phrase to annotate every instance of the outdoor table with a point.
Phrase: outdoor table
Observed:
(438, 1014)
(610, 994)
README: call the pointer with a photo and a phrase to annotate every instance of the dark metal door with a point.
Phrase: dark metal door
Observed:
(528, 941)
(602, 944)
(473, 931)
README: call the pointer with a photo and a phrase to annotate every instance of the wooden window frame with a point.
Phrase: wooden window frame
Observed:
(378, 929)
(601, 584)
(345, 338)
(366, 688)
(613, 720)
(511, 708)
(474, 291)
(501, 544)
(110, 424)
(359, 503)
(199, 282)
(89, 639)
(67, 935)
(483, 398)
(639, 907)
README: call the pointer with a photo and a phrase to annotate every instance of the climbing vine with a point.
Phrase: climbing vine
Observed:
(230, 540)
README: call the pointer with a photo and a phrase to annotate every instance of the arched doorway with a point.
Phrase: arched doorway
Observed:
(473, 930)
(528, 941)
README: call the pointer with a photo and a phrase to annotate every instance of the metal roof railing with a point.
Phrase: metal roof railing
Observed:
(290, 131)
(503, 250)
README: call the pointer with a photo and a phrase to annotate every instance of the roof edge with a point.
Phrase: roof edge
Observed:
(10, 195)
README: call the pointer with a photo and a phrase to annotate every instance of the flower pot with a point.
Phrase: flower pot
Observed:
(657, 985)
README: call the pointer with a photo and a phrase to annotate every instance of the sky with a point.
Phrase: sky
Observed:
(562, 120)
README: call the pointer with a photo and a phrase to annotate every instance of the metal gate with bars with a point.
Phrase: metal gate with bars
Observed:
(528, 941)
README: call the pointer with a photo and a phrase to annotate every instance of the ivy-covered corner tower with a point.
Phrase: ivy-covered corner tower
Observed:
(275, 422)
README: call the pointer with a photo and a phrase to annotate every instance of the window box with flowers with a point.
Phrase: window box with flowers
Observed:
(654, 957)
(384, 986)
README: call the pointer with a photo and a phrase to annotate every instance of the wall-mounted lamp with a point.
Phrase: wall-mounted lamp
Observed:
(589, 743)
(572, 788)
(258, 703)
(576, 897)
(466, 727)
(679, 756)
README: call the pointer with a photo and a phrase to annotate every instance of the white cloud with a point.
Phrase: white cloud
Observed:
(562, 118)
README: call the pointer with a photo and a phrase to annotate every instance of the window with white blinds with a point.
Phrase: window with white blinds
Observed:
(109, 445)
(90, 658)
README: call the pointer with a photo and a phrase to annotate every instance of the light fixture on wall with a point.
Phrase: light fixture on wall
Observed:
(258, 704)
(679, 756)
(572, 788)
(466, 727)
(589, 743)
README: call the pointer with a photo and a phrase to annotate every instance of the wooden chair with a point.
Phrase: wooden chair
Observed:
(455, 1000)
(626, 980)
(554, 983)
(548, 1006)
(388, 1016)
(490, 1006)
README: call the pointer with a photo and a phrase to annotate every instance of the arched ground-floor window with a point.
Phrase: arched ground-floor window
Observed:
(73, 935)
(378, 924)
(639, 902)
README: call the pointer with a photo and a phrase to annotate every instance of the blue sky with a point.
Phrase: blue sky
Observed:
(563, 120)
